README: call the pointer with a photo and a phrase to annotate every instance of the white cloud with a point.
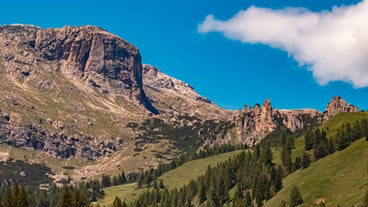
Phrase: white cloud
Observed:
(332, 44)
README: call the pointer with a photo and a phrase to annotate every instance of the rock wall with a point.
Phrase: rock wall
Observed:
(88, 54)
(253, 124)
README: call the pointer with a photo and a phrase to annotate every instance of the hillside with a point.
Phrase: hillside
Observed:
(173, 179)
(340, 178)
(81, 95)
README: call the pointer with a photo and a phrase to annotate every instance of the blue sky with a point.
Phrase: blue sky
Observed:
(219, 63)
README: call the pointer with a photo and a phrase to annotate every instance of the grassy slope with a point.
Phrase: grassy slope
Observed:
(338, 179)
(174, 178)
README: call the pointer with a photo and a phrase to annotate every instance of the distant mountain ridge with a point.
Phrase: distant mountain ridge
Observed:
(83, 92)
(253, 124)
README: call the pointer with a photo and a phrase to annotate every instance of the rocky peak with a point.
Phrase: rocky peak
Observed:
(252, 124)
(337, 105)
(153, 77)
(88, 54)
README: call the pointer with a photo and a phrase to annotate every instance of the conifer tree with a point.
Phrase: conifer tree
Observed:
(79, 199)
(295, 197)
(117, 202)
(21, 199)
(65, 197)
(365, 199)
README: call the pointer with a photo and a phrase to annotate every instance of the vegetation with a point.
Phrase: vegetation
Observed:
(250, 172)
(295, 197)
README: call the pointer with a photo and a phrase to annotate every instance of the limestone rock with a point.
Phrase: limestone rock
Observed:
(253, 124)
(153, 77)
(87, 54)
(337, 105)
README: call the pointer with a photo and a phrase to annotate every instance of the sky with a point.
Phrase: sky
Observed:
(297, 53)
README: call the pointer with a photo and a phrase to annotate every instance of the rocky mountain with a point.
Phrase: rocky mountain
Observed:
(81, 94)
(89, 55)
(174, 97)
(253, 124)
(337, 105)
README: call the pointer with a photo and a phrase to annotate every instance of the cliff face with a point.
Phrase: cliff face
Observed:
(68, 91)
(337, 105)
(87, 54)
(253, 124)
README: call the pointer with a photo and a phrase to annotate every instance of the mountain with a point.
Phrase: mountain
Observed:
(81, 95)
(253, 124)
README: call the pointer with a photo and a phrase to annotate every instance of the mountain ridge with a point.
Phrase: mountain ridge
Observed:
(83, 92)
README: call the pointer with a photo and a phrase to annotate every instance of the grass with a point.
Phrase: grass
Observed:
(337, 121)
(338, 179)
(173, 179)
(193, 169)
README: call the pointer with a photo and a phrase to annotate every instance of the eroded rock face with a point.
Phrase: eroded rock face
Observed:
(155, 78)
(253, 124)
(337, 105)
(88, 54)
(56, 144)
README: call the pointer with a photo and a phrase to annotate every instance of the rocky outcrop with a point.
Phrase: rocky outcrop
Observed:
(88, 54)
(57, 144)
(295, 120)
(153, 77)
(337, 105)
(253, 124)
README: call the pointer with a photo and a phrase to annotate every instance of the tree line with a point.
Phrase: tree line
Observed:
(253, 174)
(322, 146)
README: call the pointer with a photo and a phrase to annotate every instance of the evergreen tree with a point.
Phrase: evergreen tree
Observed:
(21, 199)
(79, 199)
(365, 199)
(7, 198)
(161, 184)
(65, 197)
(266, 154)
(309, 140)
(305, 160)
(248, 199)
(117, 202)
(295, 197)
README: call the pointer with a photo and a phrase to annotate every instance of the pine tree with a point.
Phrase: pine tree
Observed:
(309, 139)
(7, 198)
(365, 199)
(65, 197)
(21, 199)
(123, 178)
(79, 199)
(305, 160)
(295, 197)
(202, 191)
(117, 202)
(248, 199)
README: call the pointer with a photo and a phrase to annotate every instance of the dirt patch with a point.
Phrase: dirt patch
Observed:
(320, 200)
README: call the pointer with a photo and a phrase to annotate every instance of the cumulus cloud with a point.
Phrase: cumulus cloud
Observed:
(332, 44)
